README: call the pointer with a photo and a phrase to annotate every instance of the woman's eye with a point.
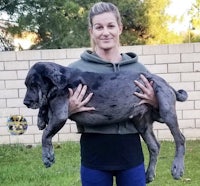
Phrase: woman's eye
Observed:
(111, 26)
(101, 27)
(98, 27)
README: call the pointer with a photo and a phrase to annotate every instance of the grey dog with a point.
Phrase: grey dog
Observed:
(47, 89)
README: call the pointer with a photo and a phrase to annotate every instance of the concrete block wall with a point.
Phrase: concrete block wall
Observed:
(177, 64)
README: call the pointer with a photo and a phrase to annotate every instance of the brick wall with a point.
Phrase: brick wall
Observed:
(177, 64)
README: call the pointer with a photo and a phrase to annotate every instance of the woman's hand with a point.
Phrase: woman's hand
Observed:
(77, 101)
(148, 95)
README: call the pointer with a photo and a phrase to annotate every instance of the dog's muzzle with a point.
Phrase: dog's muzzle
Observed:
(31, 104)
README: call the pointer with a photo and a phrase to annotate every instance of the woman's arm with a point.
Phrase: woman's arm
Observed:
(77, 101)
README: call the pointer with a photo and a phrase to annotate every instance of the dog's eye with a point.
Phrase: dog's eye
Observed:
(33, 86)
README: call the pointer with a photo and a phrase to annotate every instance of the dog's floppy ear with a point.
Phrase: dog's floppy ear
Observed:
(54, 74)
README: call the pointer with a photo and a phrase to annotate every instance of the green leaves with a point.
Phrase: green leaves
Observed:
(63, 23)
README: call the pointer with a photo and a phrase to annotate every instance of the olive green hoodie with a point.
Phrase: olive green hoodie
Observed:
(92, 63)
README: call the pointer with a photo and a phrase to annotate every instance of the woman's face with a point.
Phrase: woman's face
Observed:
(105, 31)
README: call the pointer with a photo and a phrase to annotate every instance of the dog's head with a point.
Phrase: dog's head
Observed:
(43, 80)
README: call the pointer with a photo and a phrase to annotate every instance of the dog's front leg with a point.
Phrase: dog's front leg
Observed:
(42, 120)
(58, 116)
(47, 147)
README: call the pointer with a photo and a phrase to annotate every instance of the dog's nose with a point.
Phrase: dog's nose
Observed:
(27, 103)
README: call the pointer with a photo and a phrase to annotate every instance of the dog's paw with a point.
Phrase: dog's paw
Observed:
(177, 168)
(150, 176)
(48, 157)
(41, 123)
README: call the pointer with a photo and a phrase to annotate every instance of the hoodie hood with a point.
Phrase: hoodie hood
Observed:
(91, 62)
(127, 58)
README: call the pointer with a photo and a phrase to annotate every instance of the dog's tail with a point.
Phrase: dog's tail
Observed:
(181, 95)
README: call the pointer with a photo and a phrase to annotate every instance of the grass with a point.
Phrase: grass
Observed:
(22, 166)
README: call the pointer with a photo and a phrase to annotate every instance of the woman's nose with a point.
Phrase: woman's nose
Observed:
(105, 31)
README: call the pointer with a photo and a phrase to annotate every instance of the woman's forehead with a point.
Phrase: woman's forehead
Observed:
(103, 18)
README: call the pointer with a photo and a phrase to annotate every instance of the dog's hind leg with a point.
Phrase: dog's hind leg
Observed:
(167, 100)
(168, 114)
(177, 169)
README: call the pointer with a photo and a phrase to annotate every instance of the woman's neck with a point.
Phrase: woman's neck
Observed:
(112, 55)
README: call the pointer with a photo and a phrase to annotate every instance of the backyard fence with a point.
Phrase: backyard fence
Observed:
(178, 64)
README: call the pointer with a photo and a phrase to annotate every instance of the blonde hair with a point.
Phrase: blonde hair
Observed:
(100, 8)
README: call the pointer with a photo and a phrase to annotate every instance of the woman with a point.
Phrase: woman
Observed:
(114, 150)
